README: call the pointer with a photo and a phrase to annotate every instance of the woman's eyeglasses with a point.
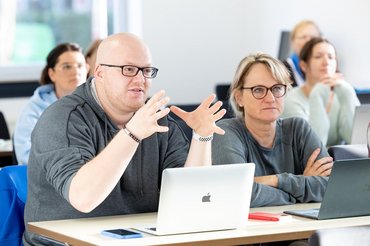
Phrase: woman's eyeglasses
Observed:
(260, 91)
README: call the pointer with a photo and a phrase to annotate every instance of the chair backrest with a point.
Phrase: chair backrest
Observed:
(4, 131)
(13, 195)
(349, 236)
(223, 92)
(348, 151)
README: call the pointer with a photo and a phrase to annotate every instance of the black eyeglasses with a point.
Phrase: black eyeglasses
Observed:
(260, 91)
(132, 71)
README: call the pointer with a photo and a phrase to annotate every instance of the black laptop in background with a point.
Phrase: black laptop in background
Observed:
(347, 193)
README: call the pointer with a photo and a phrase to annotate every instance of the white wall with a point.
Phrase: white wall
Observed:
(197, 43)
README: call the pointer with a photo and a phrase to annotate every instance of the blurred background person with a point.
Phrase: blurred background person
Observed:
(90, 56)
(65, 69)
(325, 100)
(301, 33)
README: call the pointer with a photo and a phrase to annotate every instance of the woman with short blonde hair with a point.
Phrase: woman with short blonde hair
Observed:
(292, 164)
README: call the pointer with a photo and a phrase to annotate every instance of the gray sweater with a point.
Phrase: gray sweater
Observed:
(294, 143)
(73, 131)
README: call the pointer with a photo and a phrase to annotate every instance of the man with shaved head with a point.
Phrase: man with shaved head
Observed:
(101, 151)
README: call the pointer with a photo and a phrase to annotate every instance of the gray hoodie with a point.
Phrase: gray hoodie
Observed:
(73, 131)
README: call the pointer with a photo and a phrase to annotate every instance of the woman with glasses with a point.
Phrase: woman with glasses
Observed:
(325, 100)
(292, 164)
(65, 69)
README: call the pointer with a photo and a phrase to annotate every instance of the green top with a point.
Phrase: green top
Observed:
(332, 128)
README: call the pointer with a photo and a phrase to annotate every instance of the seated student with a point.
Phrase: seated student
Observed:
(90, 56)
(325, 100)
(65, 69)
(101, 150)
(301, 33)
(292, 164)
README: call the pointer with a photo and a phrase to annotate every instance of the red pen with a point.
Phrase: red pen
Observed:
(269, 216)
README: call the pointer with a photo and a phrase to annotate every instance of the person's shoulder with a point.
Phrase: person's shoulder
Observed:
(44, 94)
(66, 104)
(293, 122)
(295, 95)
(293, 128)
(295, 91)
(234, 122)
(232, 126)
(321, 90)
(45, 88)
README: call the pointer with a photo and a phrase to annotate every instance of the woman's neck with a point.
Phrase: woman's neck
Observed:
(264, 133)
(308, 86)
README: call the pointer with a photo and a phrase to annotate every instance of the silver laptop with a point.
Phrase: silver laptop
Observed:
(197, 199)
(347, 193)
(361, 121)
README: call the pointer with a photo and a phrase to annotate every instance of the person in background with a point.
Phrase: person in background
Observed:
(101, 151)
(301, 33)
(65, 69)
(325, 100)
(90, 56)
(292, 164)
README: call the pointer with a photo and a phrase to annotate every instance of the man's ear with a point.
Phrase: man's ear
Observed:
(98, 72)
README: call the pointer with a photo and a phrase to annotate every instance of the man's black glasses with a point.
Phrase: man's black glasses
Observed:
(132, 71)
(260, 91)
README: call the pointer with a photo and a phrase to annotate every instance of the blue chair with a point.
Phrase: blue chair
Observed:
(13, 195)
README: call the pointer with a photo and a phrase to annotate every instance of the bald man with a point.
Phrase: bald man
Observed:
(101, 151)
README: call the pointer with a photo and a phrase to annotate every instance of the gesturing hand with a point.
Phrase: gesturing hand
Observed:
(321, 167)
(145, 121)
(203, 119)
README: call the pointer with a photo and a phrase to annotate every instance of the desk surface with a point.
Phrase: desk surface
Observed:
(87, 231)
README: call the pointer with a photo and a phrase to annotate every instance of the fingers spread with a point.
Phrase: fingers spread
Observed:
(178, 111)
(219, 130)
(208, 101)
(219, 114)
(161, 113)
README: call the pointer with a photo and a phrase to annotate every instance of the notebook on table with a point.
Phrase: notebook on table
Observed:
(347, 193)
(198, 199)
(361, 121)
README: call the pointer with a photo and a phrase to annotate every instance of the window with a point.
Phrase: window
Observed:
(29, 29)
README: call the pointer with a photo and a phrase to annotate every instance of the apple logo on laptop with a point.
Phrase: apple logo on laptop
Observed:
(206, 198)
